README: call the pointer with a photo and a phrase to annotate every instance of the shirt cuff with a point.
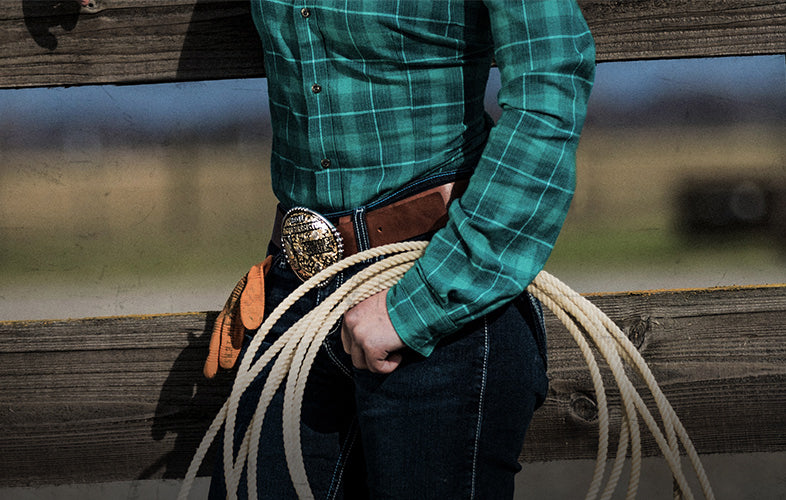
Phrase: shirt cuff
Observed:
(417, 316)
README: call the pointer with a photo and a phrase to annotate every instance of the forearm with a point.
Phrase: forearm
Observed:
(503, 228)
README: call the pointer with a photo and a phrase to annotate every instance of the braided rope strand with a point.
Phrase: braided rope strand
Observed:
(668, 416)
(561, 306)
(600, 391)
(294, 353)
(357, 289)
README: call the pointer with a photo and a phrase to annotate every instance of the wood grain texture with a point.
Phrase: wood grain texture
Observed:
(53, 42)
(657, 29)
(123, 398)
(719, 355)
(102, 399)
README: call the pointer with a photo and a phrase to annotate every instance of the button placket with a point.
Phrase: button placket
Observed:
(315, 68)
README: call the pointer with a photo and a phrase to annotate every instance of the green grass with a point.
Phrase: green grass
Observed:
(64, 257)
(84, 259)
(615, 247)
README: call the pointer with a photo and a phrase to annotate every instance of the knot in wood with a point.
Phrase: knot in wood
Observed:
(584, 407)
(636, 329)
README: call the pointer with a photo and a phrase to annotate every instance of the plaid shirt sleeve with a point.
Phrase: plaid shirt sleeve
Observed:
(502, 230)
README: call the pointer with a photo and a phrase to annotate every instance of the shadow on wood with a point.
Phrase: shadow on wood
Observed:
(213, 38)
(105, 399)
(43, 15)
(186, 407)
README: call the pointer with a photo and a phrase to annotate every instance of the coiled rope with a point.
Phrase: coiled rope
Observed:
(293, 354)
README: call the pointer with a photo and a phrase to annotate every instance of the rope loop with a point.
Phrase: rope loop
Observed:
(293, 354)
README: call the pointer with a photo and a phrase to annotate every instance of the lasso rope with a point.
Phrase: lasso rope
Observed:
(294, 352)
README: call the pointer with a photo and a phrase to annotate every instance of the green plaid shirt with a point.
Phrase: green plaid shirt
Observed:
(369, 95)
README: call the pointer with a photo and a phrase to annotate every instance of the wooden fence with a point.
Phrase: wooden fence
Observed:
(123, 398)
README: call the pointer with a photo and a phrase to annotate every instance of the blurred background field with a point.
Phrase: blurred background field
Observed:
(156, 198)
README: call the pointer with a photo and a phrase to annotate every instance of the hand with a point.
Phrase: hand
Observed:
(369, 337)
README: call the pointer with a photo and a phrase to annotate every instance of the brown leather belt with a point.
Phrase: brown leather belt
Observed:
(402, 220)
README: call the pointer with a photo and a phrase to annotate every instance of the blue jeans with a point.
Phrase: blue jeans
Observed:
(450, 426)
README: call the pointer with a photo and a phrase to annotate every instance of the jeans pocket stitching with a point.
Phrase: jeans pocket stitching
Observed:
(332, 355)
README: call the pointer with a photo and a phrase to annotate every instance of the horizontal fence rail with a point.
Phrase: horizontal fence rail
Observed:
(50, 43)
(123, 398)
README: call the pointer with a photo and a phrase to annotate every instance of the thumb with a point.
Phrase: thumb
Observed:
(387, 364)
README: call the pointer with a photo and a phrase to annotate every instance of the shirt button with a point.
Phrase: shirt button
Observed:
(316, 88)
(325, 163)
(305, 12)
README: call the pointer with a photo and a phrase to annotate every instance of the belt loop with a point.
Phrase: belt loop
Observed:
(361, 229)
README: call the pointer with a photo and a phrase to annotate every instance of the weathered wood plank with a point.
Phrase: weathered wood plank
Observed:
(719, 355)
(102, 399)
(657, 29)
(123, 398)
(45, 43)
(121, 41)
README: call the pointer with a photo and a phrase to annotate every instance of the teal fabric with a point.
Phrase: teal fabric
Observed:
(368, 96)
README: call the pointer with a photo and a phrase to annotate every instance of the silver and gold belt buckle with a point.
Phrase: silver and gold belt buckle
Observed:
(310, 242)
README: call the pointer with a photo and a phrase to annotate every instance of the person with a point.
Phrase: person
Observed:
(426, 389)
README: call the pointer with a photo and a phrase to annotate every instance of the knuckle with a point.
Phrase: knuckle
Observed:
(350, 317)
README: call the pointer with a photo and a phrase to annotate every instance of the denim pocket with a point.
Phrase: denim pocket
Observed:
(335, 350)
(537, 323)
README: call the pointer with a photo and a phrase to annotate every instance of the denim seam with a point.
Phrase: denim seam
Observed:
(361, 229)
(334, 358)
(540, 333)
(341, 463)
(339, 280)
(480, 405)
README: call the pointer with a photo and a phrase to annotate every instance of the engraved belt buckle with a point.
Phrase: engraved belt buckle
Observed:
(310, 242)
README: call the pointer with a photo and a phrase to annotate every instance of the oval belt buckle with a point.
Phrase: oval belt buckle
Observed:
(310, 242)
